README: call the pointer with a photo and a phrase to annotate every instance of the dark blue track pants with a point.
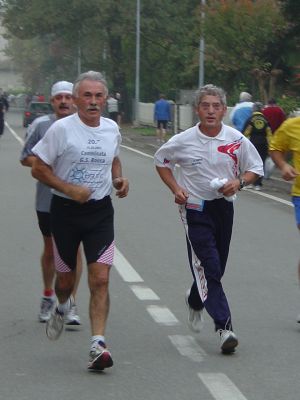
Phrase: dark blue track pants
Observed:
(208, 235)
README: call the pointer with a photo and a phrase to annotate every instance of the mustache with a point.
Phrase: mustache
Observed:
(94, 108)
(64, 107)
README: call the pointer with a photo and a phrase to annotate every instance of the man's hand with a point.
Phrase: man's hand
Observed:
(230, 188)
(122, 186)
(288, 172)
(181, 196)
(81, 194)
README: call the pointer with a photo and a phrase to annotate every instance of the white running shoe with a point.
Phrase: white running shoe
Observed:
(100, 357)
(72, 317)
(195, 317)
(228, 340)
(55, 325)
(47, 305)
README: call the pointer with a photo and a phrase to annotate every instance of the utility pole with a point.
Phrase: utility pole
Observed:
(79, 55)
(137, 64)
(201, 46)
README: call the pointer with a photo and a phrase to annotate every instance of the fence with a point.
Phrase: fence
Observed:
(183, 116)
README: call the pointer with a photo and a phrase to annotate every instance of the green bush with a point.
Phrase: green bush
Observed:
(289, 104)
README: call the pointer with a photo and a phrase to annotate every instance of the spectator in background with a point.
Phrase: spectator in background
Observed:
(35, 97)
(112, 108)
(258, 130)
(41, 97)
(4, 106)
(274, 114)
(242, 111)
(162, 115)
(120, 108)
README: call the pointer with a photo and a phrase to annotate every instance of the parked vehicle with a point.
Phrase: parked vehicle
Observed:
(35, 109)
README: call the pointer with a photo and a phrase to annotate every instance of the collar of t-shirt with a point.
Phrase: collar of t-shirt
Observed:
(204, 138)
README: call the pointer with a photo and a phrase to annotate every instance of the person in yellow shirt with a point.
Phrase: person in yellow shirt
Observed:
(287, 139)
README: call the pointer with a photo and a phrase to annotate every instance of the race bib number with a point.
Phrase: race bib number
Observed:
(194, 203)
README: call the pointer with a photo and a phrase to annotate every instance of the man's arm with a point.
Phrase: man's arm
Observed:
(43, 172)
(288, 172)
(168, 178)
(120, 183)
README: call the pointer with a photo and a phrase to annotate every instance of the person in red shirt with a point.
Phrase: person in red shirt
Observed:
(274, 114)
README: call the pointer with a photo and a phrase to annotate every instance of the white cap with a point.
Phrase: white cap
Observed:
(61, 87)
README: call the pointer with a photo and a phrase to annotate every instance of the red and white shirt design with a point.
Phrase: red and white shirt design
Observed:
(202, 158)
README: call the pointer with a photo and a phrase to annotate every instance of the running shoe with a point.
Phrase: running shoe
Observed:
(228, 341)
(72, 318)
(55, 325)
(258, 188)
(47, 305)
(195, 317)
(100, 357)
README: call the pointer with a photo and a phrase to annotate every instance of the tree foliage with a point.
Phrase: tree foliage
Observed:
(246, 41)
(241, 40)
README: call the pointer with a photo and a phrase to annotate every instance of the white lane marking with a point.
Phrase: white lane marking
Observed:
(188, 347)
(14, 134)
(144, 293)
(269, 196)
(137, 151)
(162, 315)
(221, 387)
(127, 272)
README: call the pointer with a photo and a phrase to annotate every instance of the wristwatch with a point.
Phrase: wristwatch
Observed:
(242, 184)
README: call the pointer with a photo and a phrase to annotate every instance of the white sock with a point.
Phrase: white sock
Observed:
(64, 308)
(97, 338)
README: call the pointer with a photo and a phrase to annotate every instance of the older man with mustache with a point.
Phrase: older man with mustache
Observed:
(78, 158)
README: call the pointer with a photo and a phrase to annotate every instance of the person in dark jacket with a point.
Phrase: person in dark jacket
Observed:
(4, 106)
(258, 130)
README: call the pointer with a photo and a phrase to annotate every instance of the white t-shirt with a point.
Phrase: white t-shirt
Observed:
(81, 154)
(202, 158)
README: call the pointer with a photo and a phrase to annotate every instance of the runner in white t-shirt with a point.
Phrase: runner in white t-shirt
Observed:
(78, 158)
(208, 152)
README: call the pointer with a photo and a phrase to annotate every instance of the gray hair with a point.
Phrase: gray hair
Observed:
(210, 90)
(245, 96)
(92, 76)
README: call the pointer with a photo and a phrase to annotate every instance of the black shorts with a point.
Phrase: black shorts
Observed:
(162, 124)
(44, 223)
(91, 223)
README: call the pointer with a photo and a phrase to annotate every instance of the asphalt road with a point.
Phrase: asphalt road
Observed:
(156, 356)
